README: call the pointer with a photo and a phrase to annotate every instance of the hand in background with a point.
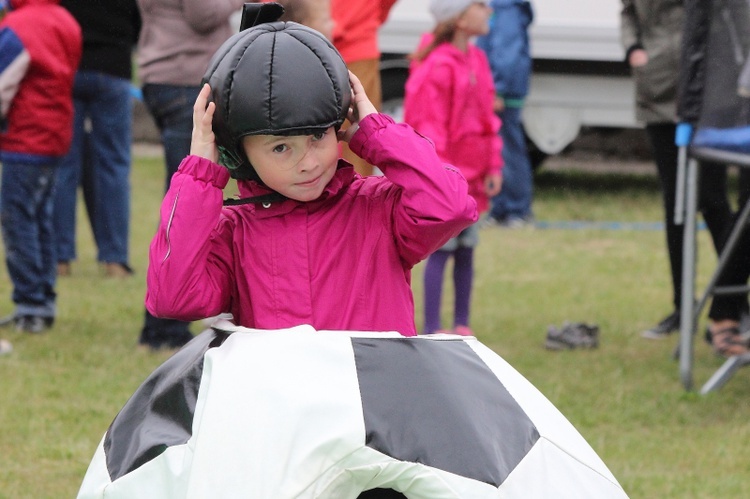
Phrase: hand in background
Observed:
(359, 109)
(492, 184)
(203, 142)
(638, 58)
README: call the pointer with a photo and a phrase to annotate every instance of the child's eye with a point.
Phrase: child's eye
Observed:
(318, 136)
(280, 148)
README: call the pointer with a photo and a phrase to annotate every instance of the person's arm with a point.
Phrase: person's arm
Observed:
(430, 202)
(190, 272)
(630, 33)
(13, 67)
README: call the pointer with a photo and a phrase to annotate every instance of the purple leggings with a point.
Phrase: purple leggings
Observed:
(463, 274)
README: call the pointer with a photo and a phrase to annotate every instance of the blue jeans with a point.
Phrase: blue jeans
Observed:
(514, 200)
(172, 109)
(100, 152)
(171, 106)
(26, 203)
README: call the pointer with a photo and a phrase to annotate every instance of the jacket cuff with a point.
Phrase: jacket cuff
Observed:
(205, 170)
(368, 127)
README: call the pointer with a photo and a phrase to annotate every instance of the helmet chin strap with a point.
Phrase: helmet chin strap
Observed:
(263, 199)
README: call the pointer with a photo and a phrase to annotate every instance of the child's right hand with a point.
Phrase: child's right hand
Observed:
(203, 142)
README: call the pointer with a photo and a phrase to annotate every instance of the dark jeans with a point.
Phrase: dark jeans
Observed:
(26, 201)
(514, 200)
(172, 109)
(712, 199)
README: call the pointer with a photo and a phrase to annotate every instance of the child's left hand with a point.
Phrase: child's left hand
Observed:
(203, 142)
(359, 108)
(492, 184)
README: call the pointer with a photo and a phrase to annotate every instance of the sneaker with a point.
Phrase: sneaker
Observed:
(117, 270)
(488, 222)
(33, 324)
(463, 331)
(664, 328)
(63, 269)
(5, 347)
(572, 335)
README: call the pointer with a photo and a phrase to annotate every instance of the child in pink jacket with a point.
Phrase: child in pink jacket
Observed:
(311, 242)
(450, 98)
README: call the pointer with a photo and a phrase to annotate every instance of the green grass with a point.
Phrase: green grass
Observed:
(60, 391)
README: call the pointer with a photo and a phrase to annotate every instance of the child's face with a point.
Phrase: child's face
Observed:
(475, 19)
(299, 166)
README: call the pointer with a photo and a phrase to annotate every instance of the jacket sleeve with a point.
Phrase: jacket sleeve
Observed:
(189, 272)
(630, 35)
(430, 202)
(14, 63)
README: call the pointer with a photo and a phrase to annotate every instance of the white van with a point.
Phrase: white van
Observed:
(579, 79)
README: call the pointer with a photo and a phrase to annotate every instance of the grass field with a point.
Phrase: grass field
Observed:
(59, 391)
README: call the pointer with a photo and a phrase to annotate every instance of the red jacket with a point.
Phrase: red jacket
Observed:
(356, 24)
(40, 48)
(341, 262)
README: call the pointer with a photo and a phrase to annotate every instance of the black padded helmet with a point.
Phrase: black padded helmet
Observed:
(277, 78)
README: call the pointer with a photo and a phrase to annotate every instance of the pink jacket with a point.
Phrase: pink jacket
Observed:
(449, 98)
(341, 262)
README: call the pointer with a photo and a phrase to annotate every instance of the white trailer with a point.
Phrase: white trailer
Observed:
(579, 78)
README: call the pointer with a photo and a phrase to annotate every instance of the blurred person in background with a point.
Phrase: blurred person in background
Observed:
(40, 48)
(100, 151)
(450, 99)
(177, 39)
(355, 35)
(507, 49)
(651, 34)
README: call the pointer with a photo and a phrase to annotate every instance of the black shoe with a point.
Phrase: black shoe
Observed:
(666, 326)
(572, 335)
(33, 323)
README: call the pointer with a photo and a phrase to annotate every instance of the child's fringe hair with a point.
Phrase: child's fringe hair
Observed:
(443, 33)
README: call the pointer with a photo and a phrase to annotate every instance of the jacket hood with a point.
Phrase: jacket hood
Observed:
(278, 78)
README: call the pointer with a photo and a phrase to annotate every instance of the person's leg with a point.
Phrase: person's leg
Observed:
(514, 200)
(68, 177)
(463, 277)
(110, 160)
(26, 206)
(172, 110)
(433, 289)
(368, 72)
(664, 151)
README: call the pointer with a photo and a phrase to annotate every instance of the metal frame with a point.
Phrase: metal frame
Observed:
(690, 310)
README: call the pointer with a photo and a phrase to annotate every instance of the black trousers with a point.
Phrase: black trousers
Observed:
(712, 199)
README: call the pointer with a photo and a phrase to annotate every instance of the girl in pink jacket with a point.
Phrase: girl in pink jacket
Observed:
(450, 98)
(311, 242)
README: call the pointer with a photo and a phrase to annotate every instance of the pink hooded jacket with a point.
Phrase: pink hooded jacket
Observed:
(450, 99)
(341, 262)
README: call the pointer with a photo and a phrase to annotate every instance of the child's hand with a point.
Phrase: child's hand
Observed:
(492, 184)
(203, 142)
(360, 107)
